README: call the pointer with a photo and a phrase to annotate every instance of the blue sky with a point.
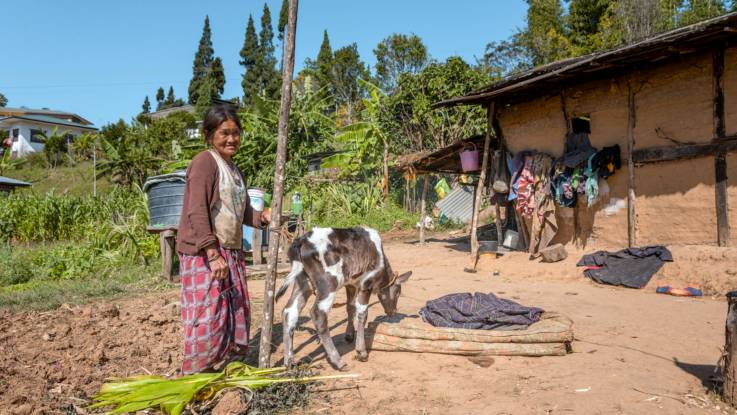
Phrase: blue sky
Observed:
(100, 58)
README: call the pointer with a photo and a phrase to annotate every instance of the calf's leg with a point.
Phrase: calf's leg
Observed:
(320, 310)
(290, 316)
(362, 301)
(350, 331)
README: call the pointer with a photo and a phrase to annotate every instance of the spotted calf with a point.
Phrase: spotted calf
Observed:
(323, 261)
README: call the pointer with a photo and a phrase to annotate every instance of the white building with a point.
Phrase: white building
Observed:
(27, 127)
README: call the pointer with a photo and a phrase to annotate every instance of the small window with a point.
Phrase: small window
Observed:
(581, 125)
(15, 134)
(37, 136)
(69, 138)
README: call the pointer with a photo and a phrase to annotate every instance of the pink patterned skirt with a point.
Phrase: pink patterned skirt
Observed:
(216, 314)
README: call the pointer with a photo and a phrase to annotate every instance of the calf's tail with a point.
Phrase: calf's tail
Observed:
(297, 267)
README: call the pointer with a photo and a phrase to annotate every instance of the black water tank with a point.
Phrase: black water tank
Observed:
(165, 196)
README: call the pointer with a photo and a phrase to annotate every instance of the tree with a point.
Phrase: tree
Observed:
(322, 67)
(583, 23)
(206, 94)
(249, 59)
(281, 27)
(146, 106)
(408, 113)
(160, 99)
(269, 78)
(698, 10)
(398, 54)
(346, 70)
(503, 58)
(3, 100)
(217, 73)
(202, 60)
(170, 97)
(544, 38)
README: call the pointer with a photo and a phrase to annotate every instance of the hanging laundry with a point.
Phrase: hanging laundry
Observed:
(563, 186)
(516, 165)
(607, 160)
(544, 225)
(526, 189)
(577, 150)
(592, 182)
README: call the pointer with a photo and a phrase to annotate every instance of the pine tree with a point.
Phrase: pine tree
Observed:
(269, 78)
(3, 100)
(544, 37)
(170, 98)
(217, 74)
(324, 63)
(583, 21)
(249, 59)
(159, 98)
(146, 106)
(346, 71)
(202, 61)
(283, 16)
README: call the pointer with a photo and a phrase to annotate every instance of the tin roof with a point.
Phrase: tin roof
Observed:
(46, 119)
(7, 181)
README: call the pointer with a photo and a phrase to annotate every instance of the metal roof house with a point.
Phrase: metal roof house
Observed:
(27, 127)
(8, 185)
(669, 102)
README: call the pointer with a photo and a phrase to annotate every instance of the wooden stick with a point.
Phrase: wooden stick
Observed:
(631, 121)
(423, 209)
(720, 161)
(729, 371)
(480, 189)
(719, 145)
(264, 357)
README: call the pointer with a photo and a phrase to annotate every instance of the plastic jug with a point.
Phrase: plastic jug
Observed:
(297, 207)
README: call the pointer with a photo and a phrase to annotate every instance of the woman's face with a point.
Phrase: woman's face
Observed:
(226, 139)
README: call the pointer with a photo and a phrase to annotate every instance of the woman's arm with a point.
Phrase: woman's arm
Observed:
(202, 183)
(252, 217)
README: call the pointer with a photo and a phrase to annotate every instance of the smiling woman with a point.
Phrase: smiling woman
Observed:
(215, 304)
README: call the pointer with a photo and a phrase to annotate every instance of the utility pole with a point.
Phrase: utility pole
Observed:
(264, 355)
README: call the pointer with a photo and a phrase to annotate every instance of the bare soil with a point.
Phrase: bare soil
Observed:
(635, 351)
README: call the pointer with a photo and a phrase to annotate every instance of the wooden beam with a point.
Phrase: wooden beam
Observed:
(423, 208)
(686, 151)
(264, 355)
(631, 122)
(720, 159)
(480, 189)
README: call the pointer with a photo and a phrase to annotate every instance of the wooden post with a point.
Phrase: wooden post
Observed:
(720, 161)
(631, 121)
(264, 356)
(480, 189)
(423, 208)
(729, 371)
(167, 240)
(258, 252)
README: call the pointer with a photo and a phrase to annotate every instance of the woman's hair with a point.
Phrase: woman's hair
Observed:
(216, 115)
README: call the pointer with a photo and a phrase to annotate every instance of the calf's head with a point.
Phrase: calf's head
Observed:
(389, 294)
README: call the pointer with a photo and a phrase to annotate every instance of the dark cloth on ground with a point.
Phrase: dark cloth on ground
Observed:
(631, 267)
(479, 311)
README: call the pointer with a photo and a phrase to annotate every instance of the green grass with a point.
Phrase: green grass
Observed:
(74, 181)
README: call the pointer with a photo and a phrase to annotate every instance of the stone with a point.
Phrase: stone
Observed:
(483, 361)
(231, 403)
(554, 253)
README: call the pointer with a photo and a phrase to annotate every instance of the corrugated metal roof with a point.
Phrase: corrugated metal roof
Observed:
(12, 182)
(10, 111)
(49, 120)
(458, 204)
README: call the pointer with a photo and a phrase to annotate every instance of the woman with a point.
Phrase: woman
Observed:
(215, 304)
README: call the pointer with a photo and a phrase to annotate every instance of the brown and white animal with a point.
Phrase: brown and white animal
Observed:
(323, 261)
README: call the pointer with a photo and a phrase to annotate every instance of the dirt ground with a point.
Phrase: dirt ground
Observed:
(635, 351)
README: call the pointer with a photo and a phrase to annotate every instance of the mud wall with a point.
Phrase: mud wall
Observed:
(675, 201)
(732, 196)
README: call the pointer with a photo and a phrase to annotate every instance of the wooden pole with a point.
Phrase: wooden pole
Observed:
(631, 121)
(423, 208)
(264, 356)
(257, 247)
(480, 189)
(729, 371)
(720, 161)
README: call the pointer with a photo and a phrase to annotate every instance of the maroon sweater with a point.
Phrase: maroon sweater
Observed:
(201, 193)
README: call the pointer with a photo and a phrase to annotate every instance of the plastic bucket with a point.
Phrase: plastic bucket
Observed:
(511, 239)
(257, 198)
(470, 159)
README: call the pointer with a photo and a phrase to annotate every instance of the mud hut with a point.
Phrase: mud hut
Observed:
(669, 102)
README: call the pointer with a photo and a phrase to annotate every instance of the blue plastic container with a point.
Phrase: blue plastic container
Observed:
(248, 237)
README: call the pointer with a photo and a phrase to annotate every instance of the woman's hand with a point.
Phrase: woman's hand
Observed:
(218, 266)
(266, 216)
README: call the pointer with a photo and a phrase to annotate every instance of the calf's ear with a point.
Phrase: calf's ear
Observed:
(404, 277)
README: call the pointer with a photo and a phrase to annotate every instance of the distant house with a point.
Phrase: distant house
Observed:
(192, 133)
(7, 185)
(27, 127)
